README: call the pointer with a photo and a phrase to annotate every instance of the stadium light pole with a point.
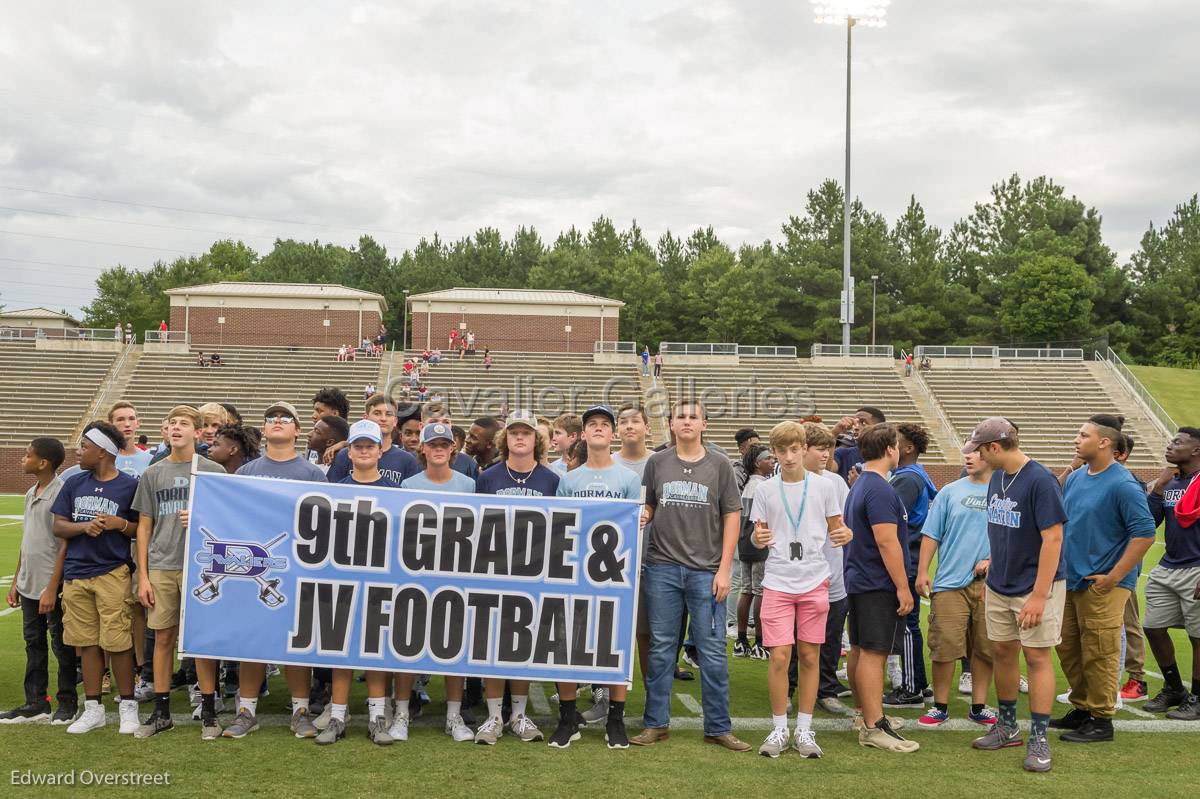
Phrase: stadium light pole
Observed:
(870, 14)
(874, 289)
(403, 326)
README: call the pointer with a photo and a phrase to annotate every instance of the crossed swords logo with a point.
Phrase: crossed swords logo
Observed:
(209, 589)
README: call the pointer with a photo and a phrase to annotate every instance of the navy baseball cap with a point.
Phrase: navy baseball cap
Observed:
(436, 431)
(599, 410)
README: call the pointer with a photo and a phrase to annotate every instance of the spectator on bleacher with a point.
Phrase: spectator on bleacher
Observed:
(200, 359)
(563, 433)
(128, 333)
(847, 455)
(330, 401)
(916, 491)
(471, 342)
(118, 332)
(435, 357)
(162, 326)
(658, 363)
(132, 460)
(926, 364)
(215, 359)
(326, 431)
(462, 347)
(453, 338)
(423, 369)
(142, 443)
(368, 390)
(425, 355)
(908, 364)
(234, 446)
(487, 359)
(481, 441)
(645, 361)
(745, 438)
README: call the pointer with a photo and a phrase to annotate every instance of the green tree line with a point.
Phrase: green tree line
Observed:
(1027, 266)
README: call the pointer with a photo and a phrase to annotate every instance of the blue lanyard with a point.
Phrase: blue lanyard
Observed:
(787, 508)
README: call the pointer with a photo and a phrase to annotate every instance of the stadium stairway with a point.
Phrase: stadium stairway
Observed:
(47, 392)
(1047, 400)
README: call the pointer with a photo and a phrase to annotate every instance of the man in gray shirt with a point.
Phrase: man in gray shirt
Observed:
(693, 500)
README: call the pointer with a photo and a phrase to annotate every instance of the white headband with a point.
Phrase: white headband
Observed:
(102, 441)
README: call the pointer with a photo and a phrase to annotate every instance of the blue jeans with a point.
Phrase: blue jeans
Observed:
(669, 589)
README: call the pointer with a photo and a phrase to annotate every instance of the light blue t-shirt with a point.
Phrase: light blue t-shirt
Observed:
(615, 482)
(133, 465)
(459, 483)
(957, 520)
(559, 467)
(1104, 511)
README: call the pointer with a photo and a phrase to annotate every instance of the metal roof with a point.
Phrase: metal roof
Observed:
(516, 296)
(37, 313)
(305, 290)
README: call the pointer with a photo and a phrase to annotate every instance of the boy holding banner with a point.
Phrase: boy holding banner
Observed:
(364, 448)
(162, 505)
(599, 477)
(794, 514)
(519, 472)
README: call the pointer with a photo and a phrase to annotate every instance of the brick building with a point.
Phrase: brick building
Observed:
(279, 314)
(514, 319)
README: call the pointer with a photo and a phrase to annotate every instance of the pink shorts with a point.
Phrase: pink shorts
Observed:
(788, 618)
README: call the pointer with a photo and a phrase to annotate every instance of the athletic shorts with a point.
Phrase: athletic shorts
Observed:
(957, 624)
(1002, 624)
(168, 586)
(1169, 600)
(752, 576)
(874, 624)
(788, 618)
(97, 611)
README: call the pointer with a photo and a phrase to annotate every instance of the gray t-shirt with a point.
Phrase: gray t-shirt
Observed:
(163, 491)
(296, 468)
(690, 501)
(39, 546)
(637, 467)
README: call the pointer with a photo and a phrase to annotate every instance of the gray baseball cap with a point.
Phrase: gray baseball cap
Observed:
(993, 428)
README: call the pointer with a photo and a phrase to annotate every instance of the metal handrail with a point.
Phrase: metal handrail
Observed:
(854, 351)
(954, 351)
(166, 337)
(937, 408)
(626, 347)
(766, 351)
(101, 399)
(1157, 412)
(1036, 353)
(697, 348)
(64, 333)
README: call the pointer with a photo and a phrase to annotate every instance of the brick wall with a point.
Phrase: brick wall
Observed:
(513, 332)
(275, 326)
(12, 480)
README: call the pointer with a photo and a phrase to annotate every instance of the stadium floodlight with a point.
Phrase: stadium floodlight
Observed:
(869, 14)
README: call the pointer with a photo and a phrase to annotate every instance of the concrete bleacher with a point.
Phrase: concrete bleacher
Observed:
(251, 378)
(827, 391)
(1047, 400)
(46, 392)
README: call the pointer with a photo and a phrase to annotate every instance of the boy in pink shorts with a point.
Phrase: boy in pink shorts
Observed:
(794, 513)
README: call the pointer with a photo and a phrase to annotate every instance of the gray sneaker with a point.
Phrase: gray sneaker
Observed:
(775, 744)
(243, 724)
(1037, 755)
(302, 726)
(523, 728)
(210, 730)
(158, 722)
(377, 732)
(833, 706)
(490, 731)
(143, 691)
(1188, 711)
(999, 736)
(329, 735)
(599, 709)
(806, 744)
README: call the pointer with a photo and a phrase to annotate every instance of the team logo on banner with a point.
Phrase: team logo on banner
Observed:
(241, 560)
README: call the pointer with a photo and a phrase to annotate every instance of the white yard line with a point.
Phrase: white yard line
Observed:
(7, 611)
(689, 701)
(537, 698)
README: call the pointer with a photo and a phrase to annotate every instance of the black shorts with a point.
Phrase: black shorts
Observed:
(873, 622)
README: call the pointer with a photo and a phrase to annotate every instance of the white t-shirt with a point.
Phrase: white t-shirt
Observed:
(837, 577)
(796, 562)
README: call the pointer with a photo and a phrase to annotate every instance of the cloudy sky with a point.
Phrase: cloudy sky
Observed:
(131, 132)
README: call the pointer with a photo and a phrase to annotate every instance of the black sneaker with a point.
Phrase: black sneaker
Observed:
(1166, 699)
(684, 674)
(741, 649)
(27, 713)
(564, 734)
(1189, 710)
(902, 698)
(614, 732)
(1091, 731)
(1072, 721)
(65, 714)
(158, 722)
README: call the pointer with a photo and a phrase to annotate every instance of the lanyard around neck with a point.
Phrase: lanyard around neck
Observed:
(787, 508)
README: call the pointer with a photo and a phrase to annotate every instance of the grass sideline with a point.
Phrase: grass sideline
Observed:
(1175, 389)
(274, 763)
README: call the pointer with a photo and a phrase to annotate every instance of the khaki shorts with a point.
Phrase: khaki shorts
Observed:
(168, 586)
(97, 611)
(957, 626)
(1002, 624)
(1169, 600)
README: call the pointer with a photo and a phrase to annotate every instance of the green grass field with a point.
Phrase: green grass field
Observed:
(273, 763)
(1177, 389)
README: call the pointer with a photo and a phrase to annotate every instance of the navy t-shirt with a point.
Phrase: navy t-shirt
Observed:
(1029, 503)
(871, 501)
(81, 499)
(847, 458)
(382, 482)
(1183, 543)
(499, 479)
(396, 464)
(465, 464)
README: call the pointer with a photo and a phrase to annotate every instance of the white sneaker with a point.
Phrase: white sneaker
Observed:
(399, 729)
(458, 730)
(1023, 685)
(806, 744)
(322, 721)
(1063, 699)
(194, 693)
(965, 683)
(843, 673)
(92, 718)
(128, 712)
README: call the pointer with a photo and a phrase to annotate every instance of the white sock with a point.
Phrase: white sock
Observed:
(804, 722)
(89, 703)
(337, 711)
(453, 709)
(494, 707)
(298, 703)
(376, 707)
(780, 721)
(402, 708)
(518, 703)
(248, 704)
